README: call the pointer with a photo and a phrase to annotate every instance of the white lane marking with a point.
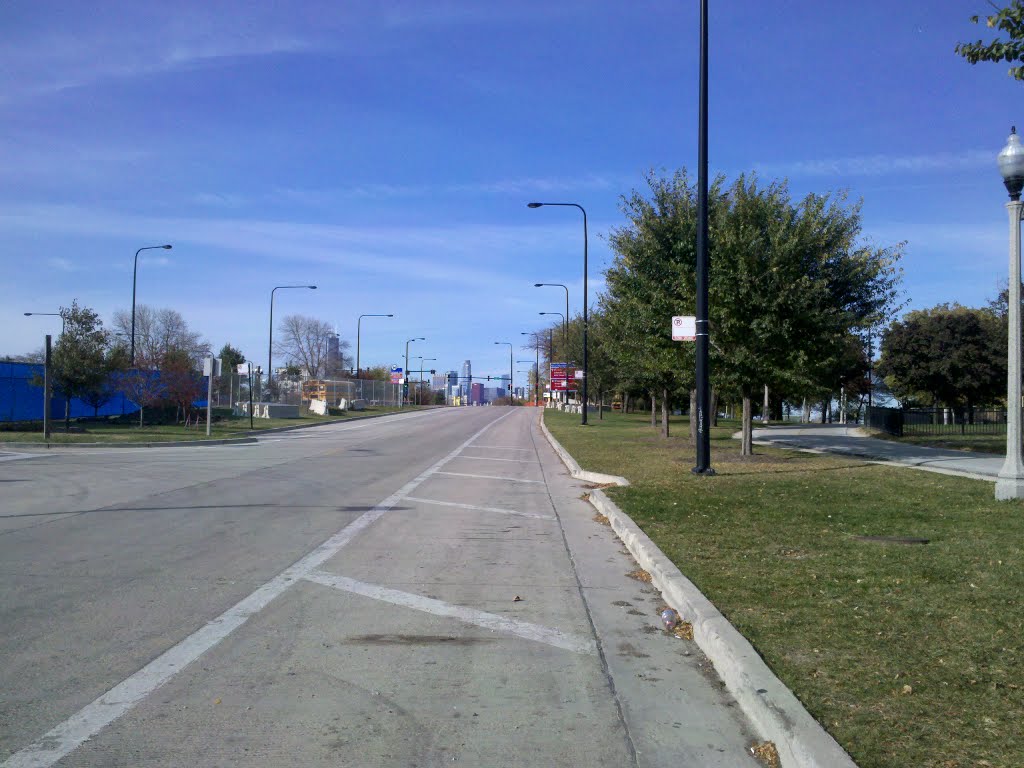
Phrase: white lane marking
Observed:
(492, 458)
(491, 477)
(502, 447)
(61, 740)
(523, 629)
(20, 456)
(481, 509)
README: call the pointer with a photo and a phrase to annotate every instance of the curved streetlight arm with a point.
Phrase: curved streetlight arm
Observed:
(405, 371)
(359, 330)
(585, 317)
(270, 344)
(135, 273)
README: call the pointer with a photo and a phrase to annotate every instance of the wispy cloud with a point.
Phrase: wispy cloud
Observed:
(880, 165)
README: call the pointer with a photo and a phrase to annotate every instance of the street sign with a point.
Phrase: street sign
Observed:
(396, 375)
(242, 369)
(211, 365)
(684, 328)
(579, 374)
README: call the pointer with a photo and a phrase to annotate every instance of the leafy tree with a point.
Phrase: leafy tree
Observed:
(1008, 19)
(230, 358)
(377, 373)
(81, 359)
(182, 381)
(949, 354)
(142, 384)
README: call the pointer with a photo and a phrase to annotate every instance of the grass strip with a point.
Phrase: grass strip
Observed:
(909, 654)
(122, 432)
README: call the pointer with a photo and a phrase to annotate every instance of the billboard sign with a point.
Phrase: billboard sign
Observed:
(396, 374)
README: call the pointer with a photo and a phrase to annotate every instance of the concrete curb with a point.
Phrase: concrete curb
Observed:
(773, 709)
(574, 468)
(165, 444)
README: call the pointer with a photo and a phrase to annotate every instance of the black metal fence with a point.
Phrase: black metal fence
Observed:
(937, 421)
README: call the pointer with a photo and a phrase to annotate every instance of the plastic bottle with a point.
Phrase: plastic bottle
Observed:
(669, 618)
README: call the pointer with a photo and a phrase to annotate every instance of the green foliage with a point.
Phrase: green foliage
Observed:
(948, 354)
(82, 359)
(789, 283)
(1010, 20)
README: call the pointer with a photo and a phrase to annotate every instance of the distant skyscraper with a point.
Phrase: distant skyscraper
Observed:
(467, 371)
(333, 355)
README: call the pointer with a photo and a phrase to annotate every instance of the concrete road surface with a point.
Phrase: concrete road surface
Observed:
(851, 441)
(416, 590)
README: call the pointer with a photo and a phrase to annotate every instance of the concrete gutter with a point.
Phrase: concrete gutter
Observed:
(574, 468)
(772, 708)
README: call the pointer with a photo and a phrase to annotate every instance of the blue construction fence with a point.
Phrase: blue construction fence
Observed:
(21, 400)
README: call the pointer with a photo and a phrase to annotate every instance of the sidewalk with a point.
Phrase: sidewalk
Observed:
(850, 441)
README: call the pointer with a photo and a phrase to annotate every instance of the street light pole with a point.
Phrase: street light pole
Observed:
(135, 273)
(565, 337)
(536, 366)
(703, 466)
(511, 370)
(565, 317)
(359, 328)
(1010, 482)
(270, 344)
(583, 422)
(405, 372)
(63, 320)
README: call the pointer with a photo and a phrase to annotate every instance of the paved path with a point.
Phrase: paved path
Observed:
(344, 596)
(848, 440)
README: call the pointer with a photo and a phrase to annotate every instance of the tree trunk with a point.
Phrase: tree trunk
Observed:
(625, 403)
(140, 415)
(824, 410)
(747, 442)
(654, 410)
(693, 415)
(766, 413)
(805, 417)
(67, 414)
(714, 407)
(664, 413)
(600, 405)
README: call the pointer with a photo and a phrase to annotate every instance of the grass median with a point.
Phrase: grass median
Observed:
(908, 653)
(128, 431)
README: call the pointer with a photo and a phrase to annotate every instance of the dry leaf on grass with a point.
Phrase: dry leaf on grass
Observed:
(602, 519)
(766, 753)
(640, 575)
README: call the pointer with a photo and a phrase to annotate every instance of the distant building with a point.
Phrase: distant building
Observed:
(467, 373)
(438, 381)
(333, 354)
(476, 392)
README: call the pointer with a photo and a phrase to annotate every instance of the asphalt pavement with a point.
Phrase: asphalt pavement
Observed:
(421, 589)
(850, 440)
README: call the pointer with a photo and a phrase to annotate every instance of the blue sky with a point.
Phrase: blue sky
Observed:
(386, 152)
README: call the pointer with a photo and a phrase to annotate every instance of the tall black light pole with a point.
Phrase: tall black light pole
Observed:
(63, 321)
(565, 317)
(405, 373)
(565, 337)
(135, 272)
(359, 329)
(536, 364)
(703, 379)
(585, 321)
(270, 345)
(419, 389)
(511, 370)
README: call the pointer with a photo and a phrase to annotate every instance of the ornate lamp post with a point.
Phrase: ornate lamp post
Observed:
(1010, 484)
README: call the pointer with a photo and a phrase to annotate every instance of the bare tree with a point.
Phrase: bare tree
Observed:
(160, 330)
(305, 341)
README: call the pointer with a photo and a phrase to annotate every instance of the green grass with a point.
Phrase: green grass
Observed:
(846, 624)
(131, 432)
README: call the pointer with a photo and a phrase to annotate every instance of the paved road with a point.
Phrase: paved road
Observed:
(341, 596)
(849, 440)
